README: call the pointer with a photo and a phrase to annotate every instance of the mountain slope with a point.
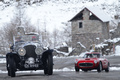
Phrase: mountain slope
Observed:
(52, 14)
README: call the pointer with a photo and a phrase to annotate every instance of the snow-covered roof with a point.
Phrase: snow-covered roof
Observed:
(96, 11)
(103, 16)
(81, 44)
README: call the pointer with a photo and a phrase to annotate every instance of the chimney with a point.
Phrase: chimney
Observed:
(86, 14)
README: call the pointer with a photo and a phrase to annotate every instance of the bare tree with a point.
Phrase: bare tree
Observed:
(29, 27)
(10, 30)
(55, 37)
(66, 33)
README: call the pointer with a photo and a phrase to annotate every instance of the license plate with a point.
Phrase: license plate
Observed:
(31, 65)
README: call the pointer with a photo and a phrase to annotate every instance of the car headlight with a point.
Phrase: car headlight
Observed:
(95, 62)
(76, 61)
(21, 51)
(39, 50)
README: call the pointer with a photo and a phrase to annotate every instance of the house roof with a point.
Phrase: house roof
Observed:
(96, 11)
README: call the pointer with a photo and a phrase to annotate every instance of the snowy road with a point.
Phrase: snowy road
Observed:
(64, 70)
(113, 75)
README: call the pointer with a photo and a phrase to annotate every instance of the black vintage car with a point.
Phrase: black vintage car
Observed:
(27, 53)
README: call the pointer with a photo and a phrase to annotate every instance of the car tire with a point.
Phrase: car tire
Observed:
(76, 69)
(45, 71)
(107, 69)
(12, 68)
(49, 67)
(8, 72)
(50, 64)
(7, 65)
(99, 69)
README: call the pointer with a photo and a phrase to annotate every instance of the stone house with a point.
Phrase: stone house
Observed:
(90, 26)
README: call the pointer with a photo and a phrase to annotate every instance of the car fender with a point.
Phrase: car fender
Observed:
(13, 55)
(104, 62)
(45, 55)
(47, 52)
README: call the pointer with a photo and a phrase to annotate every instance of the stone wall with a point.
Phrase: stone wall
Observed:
(89, 26)
(86, 39)
(92, 32)
(105, 30)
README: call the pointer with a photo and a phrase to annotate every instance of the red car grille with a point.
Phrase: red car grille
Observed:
(86, 64)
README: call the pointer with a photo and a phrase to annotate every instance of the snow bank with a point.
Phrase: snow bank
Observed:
(64, 69)
(101, 45)
(117, 50)
(3, 60)
(114, 40)
(114, 68)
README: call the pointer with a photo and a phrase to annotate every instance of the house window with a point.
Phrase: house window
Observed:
(80, 25)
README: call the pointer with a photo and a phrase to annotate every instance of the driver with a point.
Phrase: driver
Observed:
(19, 39)
(34, 38)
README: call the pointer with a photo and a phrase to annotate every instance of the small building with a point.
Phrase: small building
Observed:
(90, 26)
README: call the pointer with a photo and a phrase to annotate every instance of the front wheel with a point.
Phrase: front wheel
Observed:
(49, 65)
(11, 67)
(7, 66)
(99, 69)
(76, 69)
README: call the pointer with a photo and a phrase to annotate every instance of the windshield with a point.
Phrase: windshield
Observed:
(92, 56)
(26, 38)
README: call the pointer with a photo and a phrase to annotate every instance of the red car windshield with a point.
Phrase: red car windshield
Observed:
(92, 56)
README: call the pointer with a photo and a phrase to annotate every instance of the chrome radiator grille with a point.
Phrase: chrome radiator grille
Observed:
(30, 51)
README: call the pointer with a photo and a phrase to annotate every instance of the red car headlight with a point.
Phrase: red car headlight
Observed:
(76, 61)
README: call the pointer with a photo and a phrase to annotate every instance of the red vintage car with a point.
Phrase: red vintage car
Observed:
(90, 61)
